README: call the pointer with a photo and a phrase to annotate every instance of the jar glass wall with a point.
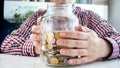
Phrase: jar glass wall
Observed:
(59, 17)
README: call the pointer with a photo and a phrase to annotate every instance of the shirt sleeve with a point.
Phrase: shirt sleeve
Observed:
(18, 42)
(105, 31)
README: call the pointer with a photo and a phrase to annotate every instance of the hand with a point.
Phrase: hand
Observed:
(35, 36)
(88, 45)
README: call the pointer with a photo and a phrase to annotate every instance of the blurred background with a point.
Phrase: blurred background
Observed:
(11, 18)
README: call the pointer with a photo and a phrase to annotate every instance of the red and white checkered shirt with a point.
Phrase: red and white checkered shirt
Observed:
(18, 42)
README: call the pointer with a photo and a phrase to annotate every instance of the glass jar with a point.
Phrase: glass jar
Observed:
(59, 17)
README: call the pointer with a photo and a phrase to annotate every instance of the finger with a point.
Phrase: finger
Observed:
(36, 43)
(74, 52)
(35, 37)
(79, 28)
(38, 20)
(86, 29)
(75, 35)
(83, 28)
(36, 50)
(36, 29)
(78, 61)
(37, 47)
(72, 43)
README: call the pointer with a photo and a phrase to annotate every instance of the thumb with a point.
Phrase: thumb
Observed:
(83, 28)
(38, 20)
(79, 28)
(86, 29)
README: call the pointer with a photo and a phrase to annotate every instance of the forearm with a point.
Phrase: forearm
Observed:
(17, 46)
(16, 43)
(106, 47)
(105, 31)
(28, 48)
(12, 45)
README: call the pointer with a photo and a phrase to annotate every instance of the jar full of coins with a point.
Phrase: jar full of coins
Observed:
(59, 17)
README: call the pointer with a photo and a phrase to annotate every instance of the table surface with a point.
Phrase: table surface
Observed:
(13, 61)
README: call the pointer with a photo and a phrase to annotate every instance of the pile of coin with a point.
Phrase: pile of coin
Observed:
(50, 34)
(51, 52)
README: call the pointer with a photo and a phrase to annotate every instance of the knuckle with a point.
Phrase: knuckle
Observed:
(37, 38)
(78, 34)
(69, 34)
(79, 52)
(82, 52)
(85, 52)
(70, 52)
(33, 28)
(69, 43)
(86, 44)
(36, 43)
(89, 36)
(31, 36)
(38, 29)
(34, 37)
(66, 42)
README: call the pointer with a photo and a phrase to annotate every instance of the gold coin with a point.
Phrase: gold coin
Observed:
(49, 35)
(54, 60)
(44, 48)
(49, 46)
(50, 40)
(44, 37)
(57, 35)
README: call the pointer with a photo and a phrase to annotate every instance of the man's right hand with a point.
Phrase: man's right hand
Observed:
(35, 36)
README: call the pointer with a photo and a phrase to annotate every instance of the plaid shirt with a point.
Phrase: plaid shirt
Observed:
(18, 42)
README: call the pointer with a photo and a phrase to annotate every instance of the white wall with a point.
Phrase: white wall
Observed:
(102, 2)
(10, 6)
(114, 13)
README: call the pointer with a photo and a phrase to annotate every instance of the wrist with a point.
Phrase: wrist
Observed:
(106, 47)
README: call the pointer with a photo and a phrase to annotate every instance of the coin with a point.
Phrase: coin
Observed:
(60, 58)
(50, 35)
(49, 46)
(57, 35)
(44, 48)
(44, 37)
(50, 40)
(54, 60)
(53, 52)
(49, 56)
(44, 43)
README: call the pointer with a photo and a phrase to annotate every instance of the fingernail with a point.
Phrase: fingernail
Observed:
(59, 42)
(70, 61)
(63, 52)
(63, 34)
